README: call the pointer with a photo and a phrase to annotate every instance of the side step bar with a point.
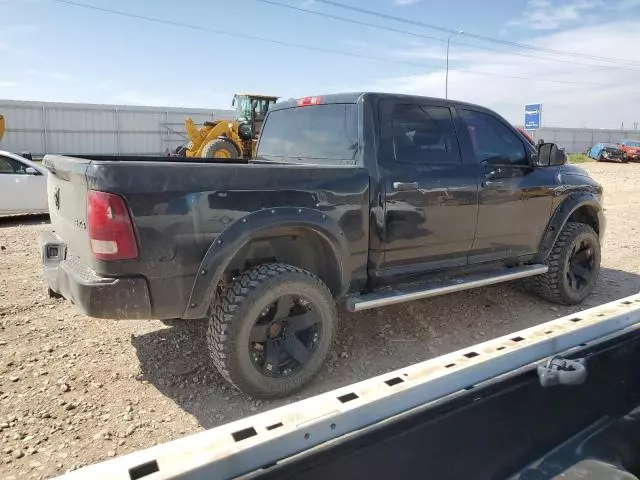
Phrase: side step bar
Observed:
(383, 298)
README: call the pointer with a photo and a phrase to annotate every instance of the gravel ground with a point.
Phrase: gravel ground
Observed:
(75, 390)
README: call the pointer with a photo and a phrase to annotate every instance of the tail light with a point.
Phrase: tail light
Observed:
(110, 228)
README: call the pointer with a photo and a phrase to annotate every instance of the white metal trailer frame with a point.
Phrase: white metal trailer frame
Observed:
(251, 443)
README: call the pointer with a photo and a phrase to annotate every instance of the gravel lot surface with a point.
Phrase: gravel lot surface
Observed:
(75, 390)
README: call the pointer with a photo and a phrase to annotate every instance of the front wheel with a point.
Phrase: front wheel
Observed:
(271, 329)
(574, 265)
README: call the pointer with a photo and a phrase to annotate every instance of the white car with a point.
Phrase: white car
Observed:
(23, 185)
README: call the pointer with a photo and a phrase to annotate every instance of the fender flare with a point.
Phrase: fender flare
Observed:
(559, 218)
(227, 245)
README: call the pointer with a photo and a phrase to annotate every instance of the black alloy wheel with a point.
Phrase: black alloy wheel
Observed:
(271, 329)
(285, 336)
(581, 265)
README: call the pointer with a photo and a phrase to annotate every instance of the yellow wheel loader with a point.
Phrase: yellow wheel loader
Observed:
(229, 138)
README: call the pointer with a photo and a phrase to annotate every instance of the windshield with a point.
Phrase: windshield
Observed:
(243, 107)
(323, 134)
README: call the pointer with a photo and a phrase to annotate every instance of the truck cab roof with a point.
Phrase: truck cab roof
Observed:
(354, 97)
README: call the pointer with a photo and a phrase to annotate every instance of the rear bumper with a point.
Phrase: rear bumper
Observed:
(96, 296)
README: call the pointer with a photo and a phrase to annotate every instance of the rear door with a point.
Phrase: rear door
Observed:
(430, 194)
(515, 199)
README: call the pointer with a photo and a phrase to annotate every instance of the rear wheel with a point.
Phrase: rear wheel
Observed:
(574, 265)
(271, 329)
(220, 148)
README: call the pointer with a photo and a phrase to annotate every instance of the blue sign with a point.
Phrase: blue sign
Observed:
(532, 116)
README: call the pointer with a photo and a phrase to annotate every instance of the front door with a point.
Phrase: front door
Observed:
(430, 194)
(19, 191)
(515, 199)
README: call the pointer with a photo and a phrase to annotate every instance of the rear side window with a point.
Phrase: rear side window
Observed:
(493, 142)
(318, 134)
(423, 134)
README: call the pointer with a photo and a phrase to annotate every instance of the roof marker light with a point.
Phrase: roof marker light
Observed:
(306, 101)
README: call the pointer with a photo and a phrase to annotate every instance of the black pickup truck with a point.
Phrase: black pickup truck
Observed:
(353, 200)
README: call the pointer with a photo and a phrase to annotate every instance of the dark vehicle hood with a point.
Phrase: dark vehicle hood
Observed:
(570, 169)
(574, 177)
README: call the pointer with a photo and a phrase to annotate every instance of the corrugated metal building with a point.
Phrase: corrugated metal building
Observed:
(579, 140)
(76, 128)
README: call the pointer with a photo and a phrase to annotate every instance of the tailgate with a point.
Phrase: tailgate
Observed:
(67, 197)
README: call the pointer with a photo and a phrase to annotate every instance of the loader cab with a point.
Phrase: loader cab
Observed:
(250, 113)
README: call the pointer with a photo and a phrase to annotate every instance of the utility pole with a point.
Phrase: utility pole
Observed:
(446, 81)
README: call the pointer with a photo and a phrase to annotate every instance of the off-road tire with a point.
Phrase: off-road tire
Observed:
(218, 145)
(553, 285)
(235, 311)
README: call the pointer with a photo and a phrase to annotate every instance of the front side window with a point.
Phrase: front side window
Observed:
(11, 166)
(423, 134)
(493, 142)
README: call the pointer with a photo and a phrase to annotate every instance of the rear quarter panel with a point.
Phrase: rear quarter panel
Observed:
(179, 209)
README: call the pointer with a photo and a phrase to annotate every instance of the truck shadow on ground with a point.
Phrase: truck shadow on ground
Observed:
(17, 221)
(176, 362)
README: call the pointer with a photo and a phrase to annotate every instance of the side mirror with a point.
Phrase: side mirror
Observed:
(31, 171)
(549, 155)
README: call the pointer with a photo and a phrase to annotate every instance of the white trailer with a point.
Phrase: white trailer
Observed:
(515, 406)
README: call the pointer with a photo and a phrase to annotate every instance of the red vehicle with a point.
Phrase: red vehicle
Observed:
(526, 135)
(631, 148)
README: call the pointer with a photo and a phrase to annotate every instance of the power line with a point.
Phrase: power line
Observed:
(348, 20)
(476, 36)
(441, 40)
(309, 47)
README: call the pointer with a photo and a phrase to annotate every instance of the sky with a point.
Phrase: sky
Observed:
(202, 51)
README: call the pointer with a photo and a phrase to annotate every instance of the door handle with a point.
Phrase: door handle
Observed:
(405, 186)
(490, 178)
